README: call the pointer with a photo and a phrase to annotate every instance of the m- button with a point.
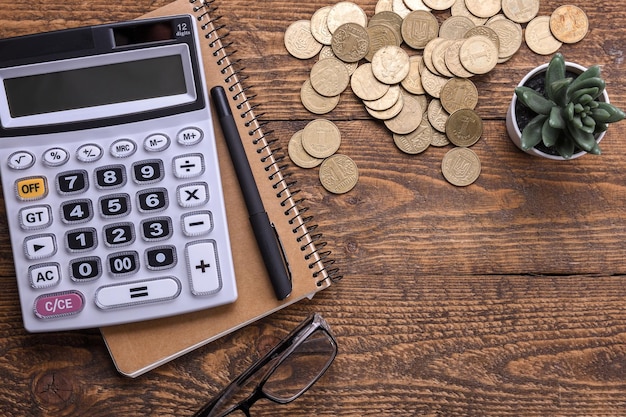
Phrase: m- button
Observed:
(31, 188)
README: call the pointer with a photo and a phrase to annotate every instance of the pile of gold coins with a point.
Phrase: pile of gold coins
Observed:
(413, 73)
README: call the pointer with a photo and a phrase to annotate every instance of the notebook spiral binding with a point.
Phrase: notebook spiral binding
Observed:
(312, 245)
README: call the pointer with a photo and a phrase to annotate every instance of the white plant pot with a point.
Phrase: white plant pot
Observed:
(511, 121)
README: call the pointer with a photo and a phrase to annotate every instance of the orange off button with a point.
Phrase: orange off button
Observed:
(31, 188)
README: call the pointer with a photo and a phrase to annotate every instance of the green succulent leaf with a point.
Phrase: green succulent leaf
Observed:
(531, 135)
(585, 141)
(613, 114)
(558, 91)
(568, 112)
(556, 118)
(554, 72)
(601, 127)
(549, 134)
(534, 100)
(565, 147)
(594, 82)
(591, 72)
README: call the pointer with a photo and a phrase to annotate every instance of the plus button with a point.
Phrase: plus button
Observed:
(203, 266)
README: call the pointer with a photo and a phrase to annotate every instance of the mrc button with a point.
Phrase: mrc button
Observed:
(31, 188)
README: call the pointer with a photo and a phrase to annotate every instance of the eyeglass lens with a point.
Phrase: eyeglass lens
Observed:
(289, 380)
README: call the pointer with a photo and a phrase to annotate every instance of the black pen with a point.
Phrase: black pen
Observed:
(264, 231)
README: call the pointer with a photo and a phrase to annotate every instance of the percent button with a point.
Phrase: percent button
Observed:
(55, 157)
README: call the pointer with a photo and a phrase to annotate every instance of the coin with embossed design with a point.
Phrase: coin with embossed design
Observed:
(461, 166)
(418, 28)
(478, 54)
(345, 12)
(350, 42)
(329, 77)
(321, 138)
(390, 64)
(417, 141)
(298, 155)
(413, 81)
(408, 119)
(365, 85)
(459, 93)
(569, 24)
(455, 27)
(539, 38)
(319, 26)
(315, 102)
(299, 40)
(484, 8)
(339, 174)
(464, 127)
(520, 11)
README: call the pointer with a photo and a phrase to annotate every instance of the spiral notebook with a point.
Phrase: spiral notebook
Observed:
(139, 347)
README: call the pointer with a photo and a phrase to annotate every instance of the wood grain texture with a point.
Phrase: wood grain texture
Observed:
(504, 298)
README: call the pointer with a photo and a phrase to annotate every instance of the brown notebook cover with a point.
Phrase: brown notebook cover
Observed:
(139, 347)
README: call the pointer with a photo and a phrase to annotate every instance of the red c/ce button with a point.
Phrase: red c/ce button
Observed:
(60, 304)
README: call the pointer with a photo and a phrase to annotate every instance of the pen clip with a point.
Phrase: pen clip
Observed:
(283, 255)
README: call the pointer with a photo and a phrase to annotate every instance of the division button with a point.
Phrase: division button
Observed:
(188, 166)
(138, 292)
(61, 304)
(203, 267)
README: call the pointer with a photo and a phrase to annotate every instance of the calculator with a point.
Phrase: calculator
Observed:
(110, 175)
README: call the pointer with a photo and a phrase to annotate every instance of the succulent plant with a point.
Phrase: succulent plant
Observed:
(569, 114)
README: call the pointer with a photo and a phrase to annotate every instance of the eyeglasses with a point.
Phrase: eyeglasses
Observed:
(283, 374)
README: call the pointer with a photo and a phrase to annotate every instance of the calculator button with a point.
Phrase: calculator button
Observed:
(35, 217)
(189, 136)
(31, 188)
(136, 293)
(61, 304)
(162, 257)
(81, 240)
(147, 172)
(76, 211)
(41, 246)
(119, 234)
(193, 195)
(197, 223)
(158, 228)
(151, 200)
(188, 166)
(89, 153)
(21, 160)
(156, 143)
(44, 275)
(115, 205)
(203, 268)
(123, 148)
(85, 269)
(72, 182)
(123, 263)
(55, 157)
(113, 176)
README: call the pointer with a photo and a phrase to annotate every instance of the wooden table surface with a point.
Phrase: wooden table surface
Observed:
(504, 298)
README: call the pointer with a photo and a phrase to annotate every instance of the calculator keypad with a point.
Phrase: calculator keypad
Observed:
(103, 233)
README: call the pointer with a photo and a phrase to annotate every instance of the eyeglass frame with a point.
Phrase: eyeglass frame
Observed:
(280, 352)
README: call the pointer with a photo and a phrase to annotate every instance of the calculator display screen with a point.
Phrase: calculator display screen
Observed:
(95, 86)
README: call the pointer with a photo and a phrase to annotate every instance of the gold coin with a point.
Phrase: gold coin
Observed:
(390, 113)
(321, 138)
(400, 8)
(381, 35)
(437, 115)
(478, 54)
(569, 24)
(455, 27)
(438, 4)
(298, 155)
(319, 26)
(383, 6)
(520, 11)
(339, 174)
(416, 5)
(408, 119)
(459, 93)
(418, 28)
(484, 8)
(460, 9)
(417, 141)
(315, 102)
(432, 83)
(390, 19)
(413, 81)
(385, 102)
(329, 77)
(350, 42)
(539, 38)
(464, 127)
(510, 35)
(439, 139)
(365, 85)
(299, 40)
(390, 64)
(428, 54)
(453, 60)
(345, 12)
(461, 166)
(439, 58)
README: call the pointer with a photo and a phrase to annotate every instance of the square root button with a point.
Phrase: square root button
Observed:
(203, 267)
